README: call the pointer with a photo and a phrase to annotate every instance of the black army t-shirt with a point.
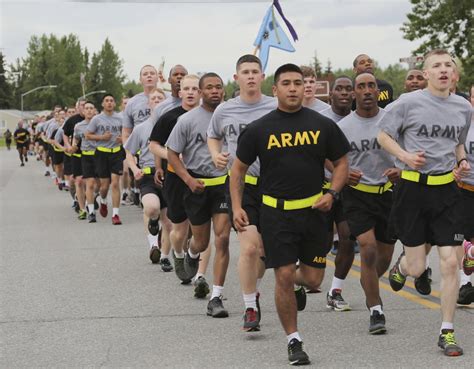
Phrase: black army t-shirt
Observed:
(163, 127)
(68, 127)
(292, 148)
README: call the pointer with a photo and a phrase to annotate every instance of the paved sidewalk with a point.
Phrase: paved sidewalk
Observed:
(74, 294)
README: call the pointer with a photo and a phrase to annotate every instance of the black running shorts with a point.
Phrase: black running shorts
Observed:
(58, 157)
(88, 166)
(67, 165)
(427, 214)
(467, 214)
(76, 164)
(201, 207)
(292, 235)
(336, 214)
(174, 189)
(251, 203)
(147, 185)
(365, 211)
(108, 163)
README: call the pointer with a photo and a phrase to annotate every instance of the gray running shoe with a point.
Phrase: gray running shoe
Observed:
(191, 265)
(201, 288)
(216, 309)
(179, 268)
(336, 302)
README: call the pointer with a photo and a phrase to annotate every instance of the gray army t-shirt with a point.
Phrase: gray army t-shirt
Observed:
(58, 137)
(232, 117)
(139, 141)
(136, 111)
(79, 134)
(102, 123)
(366, 154)
(318, 105)
(469, 145)
(165, 106)
(189, 138)
(420, 121)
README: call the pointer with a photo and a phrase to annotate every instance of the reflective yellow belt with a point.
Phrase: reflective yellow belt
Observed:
(326, 185)
(290, 204)
(250, 179)
(148, 170)
(106, 149)
(91, 152)
(435, 180)
(66, 153)
(77, 155)
(57, 150)
(216, 181)
(373, 188)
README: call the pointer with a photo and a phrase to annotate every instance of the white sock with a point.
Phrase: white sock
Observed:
(463, 278)
(66, 182)
(164, 256)
(193, 256)
(217, 291)
(115, 211)
(250, 300)
(336, 284)
(259, 281)
(294, 335)
(427, 261)
(90, 208)
(400, 269)
(335, 237)
(103, 200)
(376, 308)
(179, 255)
(446, 325)
(152, 240)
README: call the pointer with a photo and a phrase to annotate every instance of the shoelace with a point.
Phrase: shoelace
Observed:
(449, 339)
(295, 346)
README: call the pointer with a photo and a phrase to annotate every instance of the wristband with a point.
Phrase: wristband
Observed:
(460, 161)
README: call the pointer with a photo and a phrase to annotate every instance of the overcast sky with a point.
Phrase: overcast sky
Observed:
(210, 35)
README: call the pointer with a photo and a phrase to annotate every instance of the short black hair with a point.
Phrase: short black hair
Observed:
(208, 75)
(107, 95)
(286, 68)
(89, 102)
(248, 58)
(341, 77)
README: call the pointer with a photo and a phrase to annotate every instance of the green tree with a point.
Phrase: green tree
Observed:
(5, 87)
(444, 24)
(316, 64)
(131, 88)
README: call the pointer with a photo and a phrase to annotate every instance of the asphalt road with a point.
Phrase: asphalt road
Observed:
(74, 294)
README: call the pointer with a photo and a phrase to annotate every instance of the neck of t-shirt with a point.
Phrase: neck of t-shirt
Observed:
(341, 112)
(438, 93)
(108, 113)
(367, 113)
(250, 98)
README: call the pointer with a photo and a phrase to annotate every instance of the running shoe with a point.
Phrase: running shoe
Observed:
(201, 288)
(103, 210)
(216, 309)
(296, 354)
(136, 199)
(334, 248)
(377, 323)
(82, 215)
(300, 295)
(466, 294)
(96, 203)
(447, 342)
(336, 302)
(166, 265)
(116, 220)
(179, 268)
(153, 226)
(47, 173)
(155, 255)
(397, 279)
(91, 218)
(22, 164)
(467, 262)
(191, 265)
(423, 282)
(251, 323)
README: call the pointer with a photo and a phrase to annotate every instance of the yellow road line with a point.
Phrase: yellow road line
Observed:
(407, 295)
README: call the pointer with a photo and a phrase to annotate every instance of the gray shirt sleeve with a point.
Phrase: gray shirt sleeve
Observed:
(132, 144)
(392, 123)
(178, 137)
(92, 126)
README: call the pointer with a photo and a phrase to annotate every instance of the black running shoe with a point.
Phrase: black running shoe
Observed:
(91, 218)
(201, 288)
(296, 355)
(191, 265)
(153, 226)
(377, 323)
(155, 255)
(300, 295)
(251, 320)
(466, 294)
(179, 269)
(166, 265)
(397, 279)
(216, 309)
(423, 282)
(447, 342)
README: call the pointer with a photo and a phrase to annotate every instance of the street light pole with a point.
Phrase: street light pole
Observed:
(93, 93)
(33, 90)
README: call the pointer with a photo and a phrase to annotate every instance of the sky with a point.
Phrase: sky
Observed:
(210, 35)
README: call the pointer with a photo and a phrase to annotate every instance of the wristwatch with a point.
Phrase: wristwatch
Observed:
(334, 194)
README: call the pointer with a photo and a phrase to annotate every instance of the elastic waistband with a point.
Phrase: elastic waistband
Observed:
(109, 150)
(373, 188)
(90, 152)
(466, 186)
(216, 181)
(291, 204)
(430, 180)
